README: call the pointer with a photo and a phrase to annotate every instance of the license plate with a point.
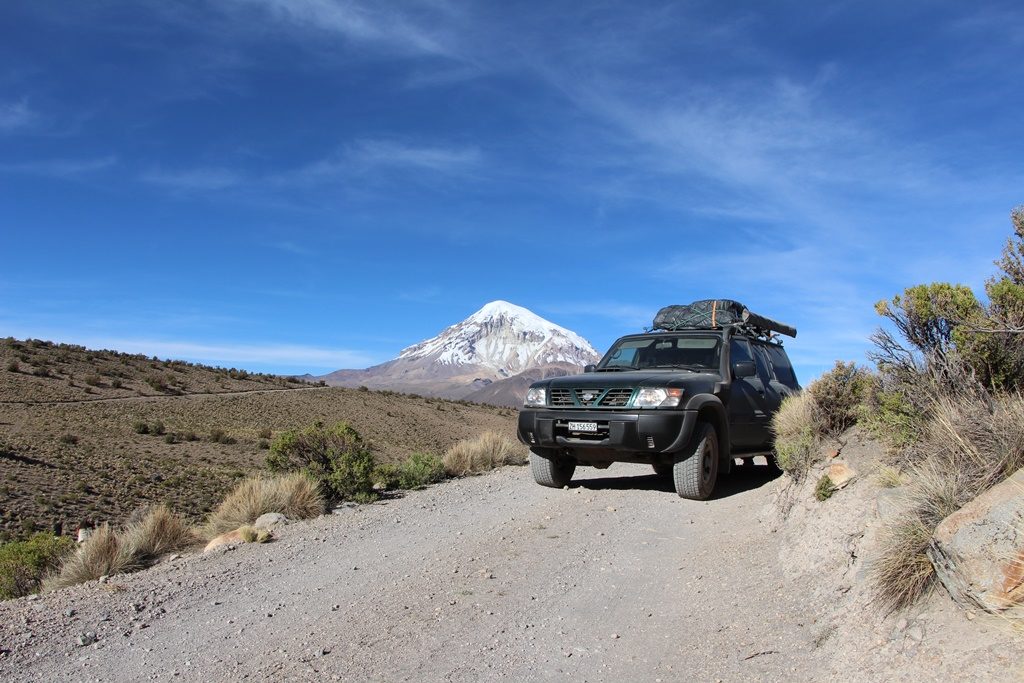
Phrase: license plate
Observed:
(583, 427)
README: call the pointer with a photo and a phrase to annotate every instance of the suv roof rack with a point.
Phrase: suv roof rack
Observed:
(713, 314)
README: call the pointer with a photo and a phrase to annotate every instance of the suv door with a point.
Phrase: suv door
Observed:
(749, 417)
(774, 391)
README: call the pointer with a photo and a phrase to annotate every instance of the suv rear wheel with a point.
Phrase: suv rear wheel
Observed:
(696, 466)
(550, 471)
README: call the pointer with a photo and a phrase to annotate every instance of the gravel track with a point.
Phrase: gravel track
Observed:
(613, 579)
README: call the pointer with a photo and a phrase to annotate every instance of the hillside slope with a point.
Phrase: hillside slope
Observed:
(86, 462)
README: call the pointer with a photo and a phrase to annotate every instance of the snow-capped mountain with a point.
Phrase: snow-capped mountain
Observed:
(504, 337)
(499, 342)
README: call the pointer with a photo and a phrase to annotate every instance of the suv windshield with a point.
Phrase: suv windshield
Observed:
(663, 351)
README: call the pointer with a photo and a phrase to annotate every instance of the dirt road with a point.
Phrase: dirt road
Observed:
(490, 577)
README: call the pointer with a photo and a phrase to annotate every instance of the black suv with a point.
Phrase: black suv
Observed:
(687, 400)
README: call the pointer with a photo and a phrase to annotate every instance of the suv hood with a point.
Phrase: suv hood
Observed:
(668, 377)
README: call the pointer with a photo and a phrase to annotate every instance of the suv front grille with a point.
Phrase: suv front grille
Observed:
(617, 398)
(590, 398)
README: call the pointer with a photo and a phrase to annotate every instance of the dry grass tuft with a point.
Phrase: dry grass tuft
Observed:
(485, 452)
(100, 555)
(294, 495)
(796, 440)
(968, 447)
(889, 477)
(158, 532)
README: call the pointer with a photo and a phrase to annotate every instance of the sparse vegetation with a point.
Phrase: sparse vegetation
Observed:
(218, 435)
(68, 439)
(889, 477)
(483, 453)
(12, 366)
(294, 495)
(24, 564)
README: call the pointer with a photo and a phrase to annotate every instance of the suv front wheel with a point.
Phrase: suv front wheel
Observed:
(550, 471)
(696, 466)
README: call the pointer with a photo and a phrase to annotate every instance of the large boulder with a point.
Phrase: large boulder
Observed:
(978, 551)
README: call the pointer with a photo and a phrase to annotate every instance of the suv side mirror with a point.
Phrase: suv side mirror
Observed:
(744, 368)
(589, 368)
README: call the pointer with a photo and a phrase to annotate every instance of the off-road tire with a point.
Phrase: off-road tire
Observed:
(551, 471)
(696, 466)
(662, 469)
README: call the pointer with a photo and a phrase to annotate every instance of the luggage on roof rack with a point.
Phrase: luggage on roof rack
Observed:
(716, 313)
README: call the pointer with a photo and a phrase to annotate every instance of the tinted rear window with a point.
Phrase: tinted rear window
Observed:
(783, 368)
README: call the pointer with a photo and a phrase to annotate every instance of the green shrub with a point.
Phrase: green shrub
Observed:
(335, 456)
(24, 564)
(93, 380)
(263, 444)
(385, 476)
(420, 470)
(890, 417)
(838, 396)
(265, 433)
(69, 439)
(824, 489)
(157, 428)
(12, 366)
(140, 427)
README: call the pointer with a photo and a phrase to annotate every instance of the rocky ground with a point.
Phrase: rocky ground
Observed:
(614, 578)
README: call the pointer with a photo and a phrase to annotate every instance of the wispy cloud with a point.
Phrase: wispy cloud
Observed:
(381, 24)
(16, 115)
(59, 168)
(389, 153)
(196, 179)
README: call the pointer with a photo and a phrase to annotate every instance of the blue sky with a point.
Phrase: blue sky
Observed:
(304, 185)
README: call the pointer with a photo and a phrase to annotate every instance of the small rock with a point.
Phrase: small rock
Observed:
(610, 509)
(615, 636)
(840, 474)
(86, 639)
(270, 520)
(915, 633)
(69, 613)
(104, 578)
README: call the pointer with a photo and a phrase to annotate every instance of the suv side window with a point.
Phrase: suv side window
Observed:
(739, 351)
(764, 369)
(783, 368)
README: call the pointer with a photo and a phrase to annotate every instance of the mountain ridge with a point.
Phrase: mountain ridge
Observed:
(475, 358)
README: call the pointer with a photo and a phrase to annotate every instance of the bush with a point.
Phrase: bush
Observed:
(385, 476)
(69, 439)
(12, 366)
(218, 435)
(295, 495)
(838, 396)
(335, 456)
(796, 439)
(263, 445)
(420, 470)
(140, 427)
(265, 433)
(157, 428)
(24, 564)
(98, 556)
(485, 452)
(93, 380)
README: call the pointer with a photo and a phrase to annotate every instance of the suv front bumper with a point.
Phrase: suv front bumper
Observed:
(653, 431)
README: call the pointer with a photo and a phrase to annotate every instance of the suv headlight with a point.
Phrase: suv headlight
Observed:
(658, 398)
(535, 397)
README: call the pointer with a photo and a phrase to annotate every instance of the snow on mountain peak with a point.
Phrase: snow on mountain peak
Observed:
(506, 338)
